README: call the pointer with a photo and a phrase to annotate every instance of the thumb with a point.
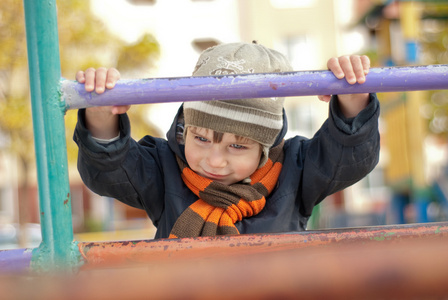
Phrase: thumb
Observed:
(120, 109)
(324, 98)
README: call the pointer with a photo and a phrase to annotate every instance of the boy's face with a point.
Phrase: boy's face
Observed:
(228, 161)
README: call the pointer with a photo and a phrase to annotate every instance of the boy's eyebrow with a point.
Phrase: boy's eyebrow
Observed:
(196, 130)
(243, 140)
(204, 131)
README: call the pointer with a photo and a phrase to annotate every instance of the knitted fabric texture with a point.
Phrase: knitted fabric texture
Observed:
(219, 206)
(258, 119)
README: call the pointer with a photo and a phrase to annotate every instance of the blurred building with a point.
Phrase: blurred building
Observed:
(412, 33)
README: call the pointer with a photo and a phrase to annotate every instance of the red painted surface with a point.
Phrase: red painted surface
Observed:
(108, 254)
(408, 263)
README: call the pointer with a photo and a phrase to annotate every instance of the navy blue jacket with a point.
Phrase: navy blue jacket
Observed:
(145, 174)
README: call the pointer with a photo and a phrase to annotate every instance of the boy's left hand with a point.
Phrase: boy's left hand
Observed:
(354, 68)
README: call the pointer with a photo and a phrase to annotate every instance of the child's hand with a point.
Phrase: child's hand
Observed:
(102, 121)
(99, 80)
(354, 68)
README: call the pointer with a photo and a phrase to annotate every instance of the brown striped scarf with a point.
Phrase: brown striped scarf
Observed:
(219, 206)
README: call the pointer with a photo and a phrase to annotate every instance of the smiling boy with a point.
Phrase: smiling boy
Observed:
(227, 160)
(225, 167)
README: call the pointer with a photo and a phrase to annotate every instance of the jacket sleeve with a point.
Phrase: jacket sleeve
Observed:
(341, 153)
(123, 169)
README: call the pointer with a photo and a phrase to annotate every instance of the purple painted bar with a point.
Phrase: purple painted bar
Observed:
(15, 260)
(305, 83)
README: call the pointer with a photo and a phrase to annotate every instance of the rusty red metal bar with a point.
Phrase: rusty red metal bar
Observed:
(110, 254)
(374, 266)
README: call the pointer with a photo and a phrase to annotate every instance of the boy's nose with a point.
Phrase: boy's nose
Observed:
(216, 159)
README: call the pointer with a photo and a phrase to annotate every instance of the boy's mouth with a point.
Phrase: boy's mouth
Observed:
(214, 176)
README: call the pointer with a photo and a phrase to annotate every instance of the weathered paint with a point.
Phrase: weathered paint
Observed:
(108, 254)
(242, 86)
(337, 264)
(49, 135)
(409, 269)
(15, 261)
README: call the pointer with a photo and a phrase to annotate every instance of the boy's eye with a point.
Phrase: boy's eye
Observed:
(201, 139)
(236, 146)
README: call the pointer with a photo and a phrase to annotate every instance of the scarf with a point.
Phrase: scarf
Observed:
(219, 206)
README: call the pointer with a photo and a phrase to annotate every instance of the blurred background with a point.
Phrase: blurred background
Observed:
(161, 38)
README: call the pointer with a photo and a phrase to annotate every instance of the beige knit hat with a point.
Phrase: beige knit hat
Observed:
(258, 119)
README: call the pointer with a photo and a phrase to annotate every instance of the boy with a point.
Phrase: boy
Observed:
(225, 167)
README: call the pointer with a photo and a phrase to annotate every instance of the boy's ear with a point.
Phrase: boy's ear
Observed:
(181, 133)
(184, 135)
(264, 155)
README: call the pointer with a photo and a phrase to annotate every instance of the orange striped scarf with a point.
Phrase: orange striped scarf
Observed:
(219, 206)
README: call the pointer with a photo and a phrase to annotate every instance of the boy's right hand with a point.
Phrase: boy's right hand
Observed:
(102, 121)
(99, 80)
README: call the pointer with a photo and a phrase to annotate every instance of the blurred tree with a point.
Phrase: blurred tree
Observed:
(84, 42)
(434, 49)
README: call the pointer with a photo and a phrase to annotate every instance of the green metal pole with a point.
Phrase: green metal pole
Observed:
(57, 248)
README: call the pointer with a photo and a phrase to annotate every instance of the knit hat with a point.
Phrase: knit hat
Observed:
(258, 119)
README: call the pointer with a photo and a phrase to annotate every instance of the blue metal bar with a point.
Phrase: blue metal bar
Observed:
(56, 249)
(160, 90)
(15, 261)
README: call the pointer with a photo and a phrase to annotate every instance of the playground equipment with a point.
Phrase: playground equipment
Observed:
(245, 86)
(382, 259)
(388, 262)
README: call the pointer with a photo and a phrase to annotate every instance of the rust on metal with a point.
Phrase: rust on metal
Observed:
(108, 254)
(414, 268)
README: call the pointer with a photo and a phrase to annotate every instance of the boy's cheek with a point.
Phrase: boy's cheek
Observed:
(192, 154)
